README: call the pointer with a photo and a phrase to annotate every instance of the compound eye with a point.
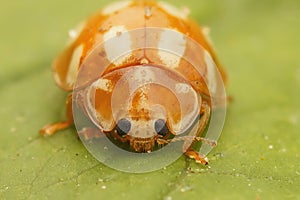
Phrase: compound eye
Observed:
(123, 127)
(161, 127)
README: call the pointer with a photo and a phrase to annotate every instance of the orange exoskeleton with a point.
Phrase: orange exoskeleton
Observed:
(164, 93)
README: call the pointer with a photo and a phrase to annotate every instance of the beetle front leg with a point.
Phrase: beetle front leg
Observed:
(188, 145)
(50, 129)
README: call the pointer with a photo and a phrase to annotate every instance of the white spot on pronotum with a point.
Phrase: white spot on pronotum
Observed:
(116, 6)
(170, 60)
(182, 88)
(211, 73)
(143, 75)
(189, 103)
(103, 84)
(271, 146)
(175, 42)
(90, 102)
(117, 44)
(176, 12)
(73, 66)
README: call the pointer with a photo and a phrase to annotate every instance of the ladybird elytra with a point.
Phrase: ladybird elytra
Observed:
(124, 108)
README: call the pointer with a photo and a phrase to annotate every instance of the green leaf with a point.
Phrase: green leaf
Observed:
(257, 156)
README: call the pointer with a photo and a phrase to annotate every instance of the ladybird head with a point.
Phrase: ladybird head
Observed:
(141, 105)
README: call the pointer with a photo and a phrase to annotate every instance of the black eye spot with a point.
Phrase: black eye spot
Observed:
(161, 127)
(123, 127)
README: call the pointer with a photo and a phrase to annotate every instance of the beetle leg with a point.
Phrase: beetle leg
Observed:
(188, 145)
(199, 158)
(50, 129)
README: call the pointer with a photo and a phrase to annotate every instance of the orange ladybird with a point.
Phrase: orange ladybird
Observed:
(170, 82)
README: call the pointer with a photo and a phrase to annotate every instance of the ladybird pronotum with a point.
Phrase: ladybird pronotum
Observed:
(144, 122)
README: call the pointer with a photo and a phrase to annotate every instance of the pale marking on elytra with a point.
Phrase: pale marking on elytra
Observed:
(206, 32)
(174, 41)
(74, 65)
(117, 42)
(75, 32)
(116, 6)
(211, 72)
(57, 78)
(176, 12)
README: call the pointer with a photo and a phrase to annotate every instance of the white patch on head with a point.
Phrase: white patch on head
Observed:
(117, 42)
(181, 13)
(142, 129)
(174, 41)
(74, 65)
(182, 88)
(211, 73)
(116, 6)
